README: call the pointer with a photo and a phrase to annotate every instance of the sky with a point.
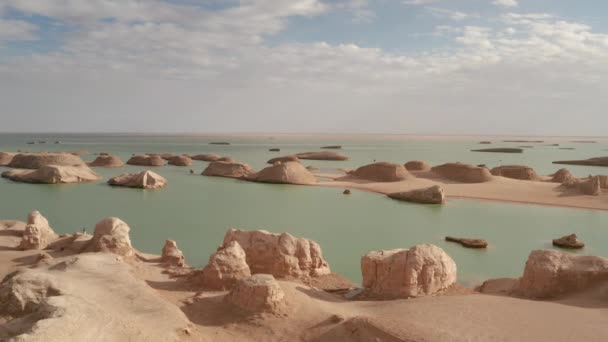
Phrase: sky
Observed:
(509, 67)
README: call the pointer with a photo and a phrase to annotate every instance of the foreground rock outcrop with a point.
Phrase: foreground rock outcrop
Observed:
(464, 173)
(599, 161)
(111, 236)
(171, 255)
(591, 186)
(143, 180)
(417, 165)
(322, 155)
(400, 273)
(430, 195)
(569, 241)
(381, 172)
(226, 266)
(516, 172)
(260, 293)
(84, 298)
(107, 160)
(286, 173)
(146, 160)
(281, 255)
(551, 273)
(230, 170)
(38, 234)
(53, 174)
(38, 160)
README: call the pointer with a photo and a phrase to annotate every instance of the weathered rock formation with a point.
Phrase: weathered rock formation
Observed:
(260, 293)
(38, 234)
(562, 176)
(286, 173)
(500, 150)
(281, 255)
(382, 172)
(569, 241)
(274, 149)
(399, 273)
(551, 273)
(322, 155)
(227, 160)
(599, 161)
(107, 160)
(143, 180)
(84, 298)
(464, 173)
(5, 158)
(591, 186)
(145, 160)
(430, 195)
(171, 255)
(283, 159)
(111, 236)
(38, 160)
(468, 243)
(53, 174)
(226, 266)
(332, 147)
(516, 172)
(206, 157)
(417, 165)
(230, 170)
(180, 161)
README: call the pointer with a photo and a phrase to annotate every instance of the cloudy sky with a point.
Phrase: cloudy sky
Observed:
(363, 66)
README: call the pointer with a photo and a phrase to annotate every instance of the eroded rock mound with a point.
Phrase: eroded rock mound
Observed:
(38, 160)
(171, 255)
(569, 241)
(226, 266)
(143, 180)
(500, 150)
(5, 158)
(180, 161)
(84, 298)
(53, 174)
(599, 161)
(399, 273)
(145, 160)
(230, 170)
(322, 155)
(286, 173)
(551, 273)
(281, 255)
(468, 243)
(111, 236)
(382, 172)
(516, 172)
(283, 159)
(417, 165)
(206, 157)
(430, 195)
(107, 160)
(464, 173)
(260, 293)
(562, 176)
(38, 233)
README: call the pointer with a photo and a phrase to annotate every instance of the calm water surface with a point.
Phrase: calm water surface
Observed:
(197, 210)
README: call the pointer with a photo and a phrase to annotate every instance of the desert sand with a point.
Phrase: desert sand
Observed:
(106, 296)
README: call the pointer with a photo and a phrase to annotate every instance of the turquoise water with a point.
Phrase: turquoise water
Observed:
(196, 210)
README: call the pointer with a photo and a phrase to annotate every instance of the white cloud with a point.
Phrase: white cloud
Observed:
(16, 30)
(215, 72)
(450, 14)
(506, 3)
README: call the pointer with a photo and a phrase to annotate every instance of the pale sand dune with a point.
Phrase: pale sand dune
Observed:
(498, 189)
(102, 286)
